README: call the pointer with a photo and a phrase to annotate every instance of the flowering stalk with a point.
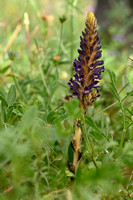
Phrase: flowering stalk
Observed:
(76, 144)
(26, 23)
(88, 70)
(84, 84)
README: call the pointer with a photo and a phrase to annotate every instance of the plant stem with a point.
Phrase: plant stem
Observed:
(71, 34)
(29, 48)
(108, 107)
(124, 128)
(43, 78)
(61, 31)
(122, 139)
(89, 145)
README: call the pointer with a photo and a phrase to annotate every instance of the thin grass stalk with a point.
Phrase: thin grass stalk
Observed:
(71, 33)
(61, 31)
(124, 128)
(26, 23)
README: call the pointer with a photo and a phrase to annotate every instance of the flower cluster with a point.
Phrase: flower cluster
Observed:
(84, 83)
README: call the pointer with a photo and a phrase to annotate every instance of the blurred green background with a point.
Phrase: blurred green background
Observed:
(36, 121)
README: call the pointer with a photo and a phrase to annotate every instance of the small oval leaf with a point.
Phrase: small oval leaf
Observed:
(11, 96)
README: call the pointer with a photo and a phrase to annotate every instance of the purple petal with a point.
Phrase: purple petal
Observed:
(76, 63)
(90, 38)
(97, 72)
(97, 55)
(101, 62)
(98, 95)
(94, 43)
(81, 52)
(84, 34)
(98, 42)
(81, 59)
(91, 66)
(89, 28)
(79, 78)
(91, 48)
(86, 31)
(87, 58)
(92, 85)
(79, 69)
(76, 94)
(97, 48)
(86, 90)
(81, 38)
(84, 46)
(73, 84)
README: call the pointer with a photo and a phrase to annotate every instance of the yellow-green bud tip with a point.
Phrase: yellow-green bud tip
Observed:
(91, 18)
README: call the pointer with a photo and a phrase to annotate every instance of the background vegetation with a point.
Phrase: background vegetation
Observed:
(36, 115)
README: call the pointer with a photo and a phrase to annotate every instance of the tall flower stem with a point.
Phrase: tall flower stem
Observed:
(61, 31)
(89, 145)
(62, 20)
(77, 150)
(76, 145)
(73, 4)
(26, 23)
(84, 82)
(71, 33)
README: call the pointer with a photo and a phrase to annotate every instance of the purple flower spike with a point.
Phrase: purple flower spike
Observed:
(88, 66)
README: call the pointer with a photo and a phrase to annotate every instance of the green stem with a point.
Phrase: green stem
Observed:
(61, 31)
(108, 107)
(71, 34)
(122, 139)
(43, 78)
(89, 145)
(29, 49)
(124, 128)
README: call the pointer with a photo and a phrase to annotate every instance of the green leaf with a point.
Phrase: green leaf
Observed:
(115, 95)
(69, 174)
(124, 88)
(61, 111)
(70, 153)
(3, 98)
(63, 62)
(28, 120)
(90, 122)
(113, 84)
(128, 94)
(72, 109)
(129, 111)
(11, 96)
(126, 81)
(112, 76)
(3, 112)
(2, 71)
(62, 114)
(51, 117)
